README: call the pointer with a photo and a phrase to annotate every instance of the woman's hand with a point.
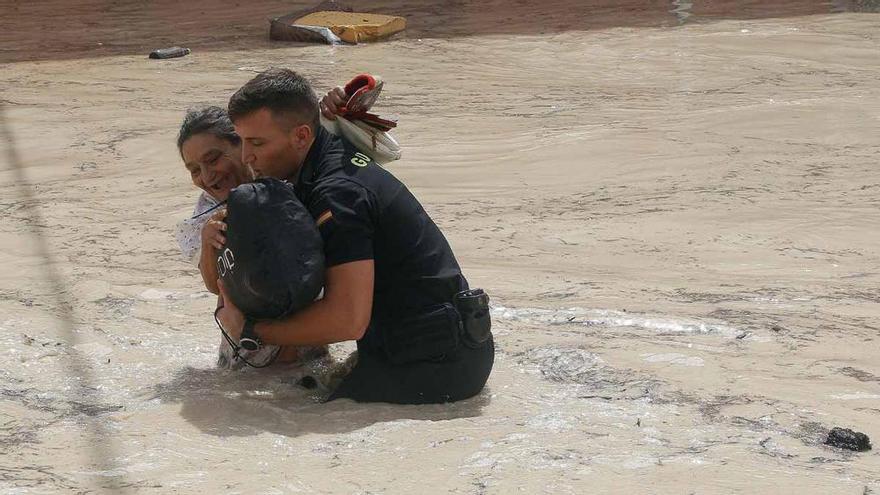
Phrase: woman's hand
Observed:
(214, 231)
(332, 102)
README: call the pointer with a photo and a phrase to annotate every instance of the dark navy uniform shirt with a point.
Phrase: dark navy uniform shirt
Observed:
(363, 212)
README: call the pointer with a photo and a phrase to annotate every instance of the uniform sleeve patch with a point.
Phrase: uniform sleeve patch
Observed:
(323, 217)
(360, 160)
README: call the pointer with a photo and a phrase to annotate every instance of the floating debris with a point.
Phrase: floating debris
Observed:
(334, 24)
(172, 52)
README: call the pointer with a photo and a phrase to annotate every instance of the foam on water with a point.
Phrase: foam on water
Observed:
(156, 294)
(673, 358)
(856, 396)
(616, 319)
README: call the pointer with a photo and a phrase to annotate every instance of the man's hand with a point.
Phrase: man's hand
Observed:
(332, 102)
(229, 315)
(214, 231)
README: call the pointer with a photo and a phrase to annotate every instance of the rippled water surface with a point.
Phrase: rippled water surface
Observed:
(673, 204)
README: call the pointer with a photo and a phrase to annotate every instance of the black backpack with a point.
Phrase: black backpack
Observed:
(273, 262)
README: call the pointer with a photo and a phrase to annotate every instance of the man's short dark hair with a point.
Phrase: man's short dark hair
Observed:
(212, 120)
(288, 95)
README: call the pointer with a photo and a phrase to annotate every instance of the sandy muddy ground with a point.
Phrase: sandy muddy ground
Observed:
(673, 205)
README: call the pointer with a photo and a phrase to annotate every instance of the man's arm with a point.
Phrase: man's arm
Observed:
(343, 314)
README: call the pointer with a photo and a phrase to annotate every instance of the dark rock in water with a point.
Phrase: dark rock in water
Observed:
(308, 382)
(845, 438)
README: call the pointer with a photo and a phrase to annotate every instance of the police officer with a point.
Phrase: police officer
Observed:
(392, 282)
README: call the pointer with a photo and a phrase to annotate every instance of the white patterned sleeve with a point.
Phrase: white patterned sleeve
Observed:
(189, 230)
(189, 238)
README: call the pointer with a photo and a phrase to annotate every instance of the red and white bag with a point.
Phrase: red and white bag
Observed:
(367, 131)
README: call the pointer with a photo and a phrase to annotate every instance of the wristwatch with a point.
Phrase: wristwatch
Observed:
(249, 339)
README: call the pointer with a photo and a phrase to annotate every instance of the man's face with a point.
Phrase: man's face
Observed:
(271, 148)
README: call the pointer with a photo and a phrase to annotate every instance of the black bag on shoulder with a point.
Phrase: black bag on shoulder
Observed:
(273, 261)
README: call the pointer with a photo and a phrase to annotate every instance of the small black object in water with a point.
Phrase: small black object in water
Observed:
(845, 438)
(308, 382)
(173, 52)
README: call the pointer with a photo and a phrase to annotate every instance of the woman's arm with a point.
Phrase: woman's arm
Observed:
(208, 268)
(213, 238)
(332, 102)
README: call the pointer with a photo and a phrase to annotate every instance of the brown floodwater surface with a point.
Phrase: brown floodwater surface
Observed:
(674, 206)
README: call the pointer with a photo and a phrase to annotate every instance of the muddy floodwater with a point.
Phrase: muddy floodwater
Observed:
(674, 206)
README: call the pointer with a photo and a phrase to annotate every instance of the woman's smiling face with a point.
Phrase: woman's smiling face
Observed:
(214, 164)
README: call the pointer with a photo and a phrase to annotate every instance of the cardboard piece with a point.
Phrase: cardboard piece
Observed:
(333, 23)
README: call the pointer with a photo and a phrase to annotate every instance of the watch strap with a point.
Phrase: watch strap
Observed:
(249, 338)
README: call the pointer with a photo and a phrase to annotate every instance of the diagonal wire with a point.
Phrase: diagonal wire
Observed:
(100, 448)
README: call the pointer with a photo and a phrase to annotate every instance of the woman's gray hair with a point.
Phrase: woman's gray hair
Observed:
(213, 120)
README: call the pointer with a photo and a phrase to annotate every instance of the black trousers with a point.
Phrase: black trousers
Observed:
(460, 375)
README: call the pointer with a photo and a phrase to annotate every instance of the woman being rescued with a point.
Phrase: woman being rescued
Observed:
(211, 152)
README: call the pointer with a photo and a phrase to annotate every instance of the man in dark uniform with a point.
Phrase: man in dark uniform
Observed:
(392, 281)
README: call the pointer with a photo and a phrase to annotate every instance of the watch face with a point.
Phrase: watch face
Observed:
(249, 344)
